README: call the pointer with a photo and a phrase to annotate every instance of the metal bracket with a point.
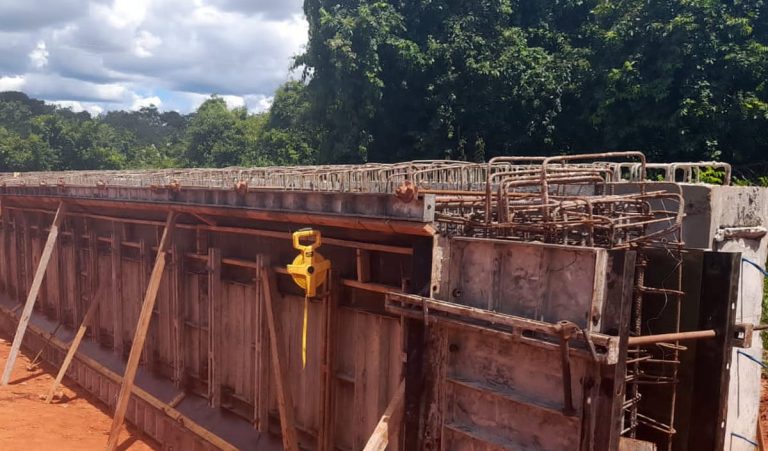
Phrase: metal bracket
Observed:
(742, 335)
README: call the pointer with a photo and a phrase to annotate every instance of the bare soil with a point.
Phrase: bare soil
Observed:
(76, 421)
(764, 408)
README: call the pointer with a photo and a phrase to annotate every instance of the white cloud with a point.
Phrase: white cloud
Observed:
(259, 103)
(141, 102)
(111, 52)
(54, 87)
(208, 15)
(122, 13)
(13, 83)
(39, 56)
(267, 8)
(193, 99)
(234, 101)
(145, 42)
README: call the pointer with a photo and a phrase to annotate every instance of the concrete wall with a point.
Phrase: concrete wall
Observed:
(744, 207)
(709, 209)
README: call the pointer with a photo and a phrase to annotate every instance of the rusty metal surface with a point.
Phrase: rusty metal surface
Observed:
(561, 199)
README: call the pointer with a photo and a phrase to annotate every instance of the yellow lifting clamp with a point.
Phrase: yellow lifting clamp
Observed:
(309, 270)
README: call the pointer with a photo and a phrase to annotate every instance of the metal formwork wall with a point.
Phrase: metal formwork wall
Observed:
(208, 336)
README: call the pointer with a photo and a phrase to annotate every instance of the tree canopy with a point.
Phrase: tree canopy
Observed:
(679, 79)
(37, 136)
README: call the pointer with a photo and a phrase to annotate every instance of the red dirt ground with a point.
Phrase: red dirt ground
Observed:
(77, 422)
(764, 408)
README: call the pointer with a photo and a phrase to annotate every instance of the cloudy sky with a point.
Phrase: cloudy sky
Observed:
(100, 55)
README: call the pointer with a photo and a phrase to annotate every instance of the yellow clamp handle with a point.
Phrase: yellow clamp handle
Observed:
(306, 233)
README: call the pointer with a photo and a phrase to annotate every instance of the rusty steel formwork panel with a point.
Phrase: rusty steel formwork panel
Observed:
(207, 338)
(524, 347)
(506, 373)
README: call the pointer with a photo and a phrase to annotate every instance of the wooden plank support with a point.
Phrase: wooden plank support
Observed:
(32, 296)
(389, 424)
(73, 348)
(177, 399)
(141, 333)
(284, 399)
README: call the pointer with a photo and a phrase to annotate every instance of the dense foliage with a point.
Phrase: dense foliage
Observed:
(680, 79)
(417, 79)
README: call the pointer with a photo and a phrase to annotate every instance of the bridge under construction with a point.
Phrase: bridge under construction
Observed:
(583, 302)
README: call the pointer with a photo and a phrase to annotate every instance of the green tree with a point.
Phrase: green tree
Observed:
(286, 134)
(216, 136)
(679, 79)
(396, 80)
(19, 153)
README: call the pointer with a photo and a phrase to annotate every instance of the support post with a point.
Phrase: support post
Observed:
(32, 296)
(389, 424)
(73, 348)
(284, 399)
(141, 333)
